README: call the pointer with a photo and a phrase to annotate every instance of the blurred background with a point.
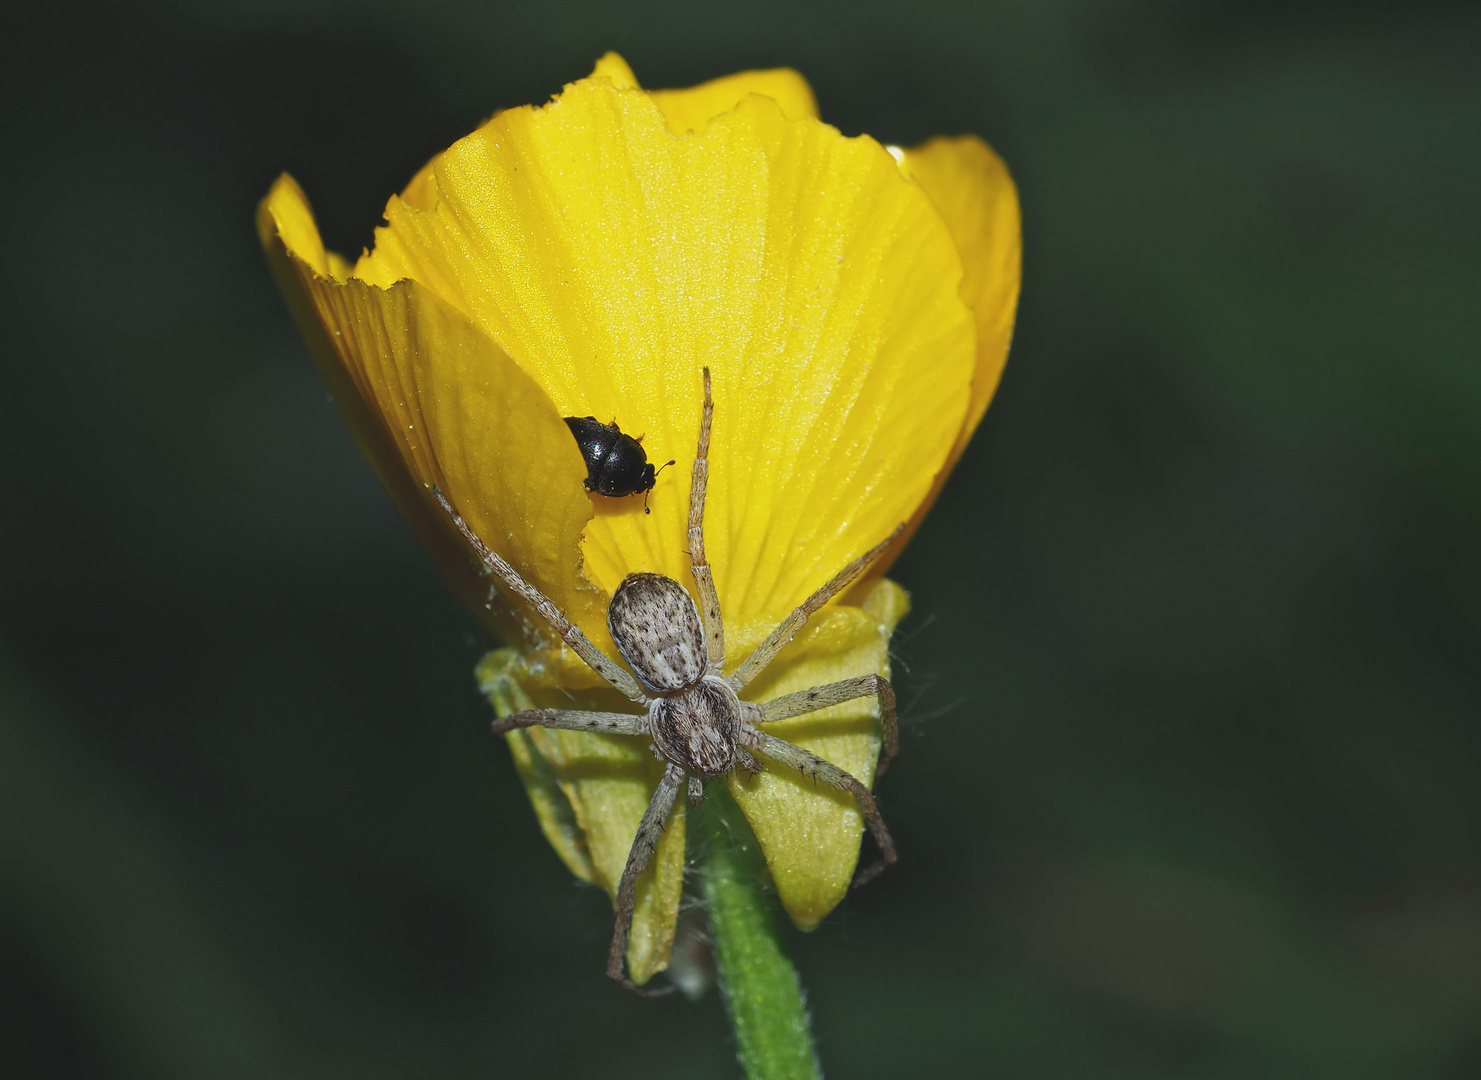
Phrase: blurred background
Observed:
(1190, 773)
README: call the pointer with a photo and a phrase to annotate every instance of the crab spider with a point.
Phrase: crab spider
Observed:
(699, 726)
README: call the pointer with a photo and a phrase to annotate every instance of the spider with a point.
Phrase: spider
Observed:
(699, 727)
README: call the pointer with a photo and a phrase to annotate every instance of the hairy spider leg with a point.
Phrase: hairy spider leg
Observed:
(580, 644)
(820, 697)
(605, 723)
(816, 768)
(649, 830)
(777, 640)
(704, 580)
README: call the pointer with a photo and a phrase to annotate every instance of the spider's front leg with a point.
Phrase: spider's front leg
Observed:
(616, 677)
(575, 720)
(789, 627)
(820, 697)
(704, 579)
(649, 830)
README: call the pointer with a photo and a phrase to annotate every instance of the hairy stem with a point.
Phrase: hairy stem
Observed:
(760, 986)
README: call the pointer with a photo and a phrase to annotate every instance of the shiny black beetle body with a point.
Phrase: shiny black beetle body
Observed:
(616, 464)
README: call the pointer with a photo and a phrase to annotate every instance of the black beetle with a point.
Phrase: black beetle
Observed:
(616, 464)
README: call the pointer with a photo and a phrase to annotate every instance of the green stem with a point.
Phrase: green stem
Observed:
(760, 986)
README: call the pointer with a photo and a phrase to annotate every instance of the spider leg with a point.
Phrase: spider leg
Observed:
(580, 644)
(777, 640)
(575, 720)
(704, 581)
(820, 697)
(816, 768)
(649, 830)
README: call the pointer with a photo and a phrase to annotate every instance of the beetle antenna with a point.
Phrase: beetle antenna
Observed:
(660, 469)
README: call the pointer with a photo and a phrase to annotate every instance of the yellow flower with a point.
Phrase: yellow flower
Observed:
(589, 257)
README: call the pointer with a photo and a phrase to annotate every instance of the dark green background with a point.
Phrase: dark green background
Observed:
(1190, 773)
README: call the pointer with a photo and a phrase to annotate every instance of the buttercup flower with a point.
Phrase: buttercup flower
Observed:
(589, 257)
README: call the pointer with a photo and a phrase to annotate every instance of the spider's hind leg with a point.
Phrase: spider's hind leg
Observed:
(649, 830)
(816, 768)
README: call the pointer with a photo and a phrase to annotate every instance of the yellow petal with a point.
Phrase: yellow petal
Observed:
(421, 192)
(447, 407)
(614, 68)
(589, 793)
(284, 219)
(977, 199)
(693, 108)
(971, 187)
(612, 260)
(808, 833)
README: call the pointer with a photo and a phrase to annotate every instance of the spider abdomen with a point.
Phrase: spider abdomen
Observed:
(697, 729)
(656, 627)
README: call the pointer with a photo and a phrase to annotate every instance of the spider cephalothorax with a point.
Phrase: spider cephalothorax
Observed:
(695, 715)
(699, 726)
